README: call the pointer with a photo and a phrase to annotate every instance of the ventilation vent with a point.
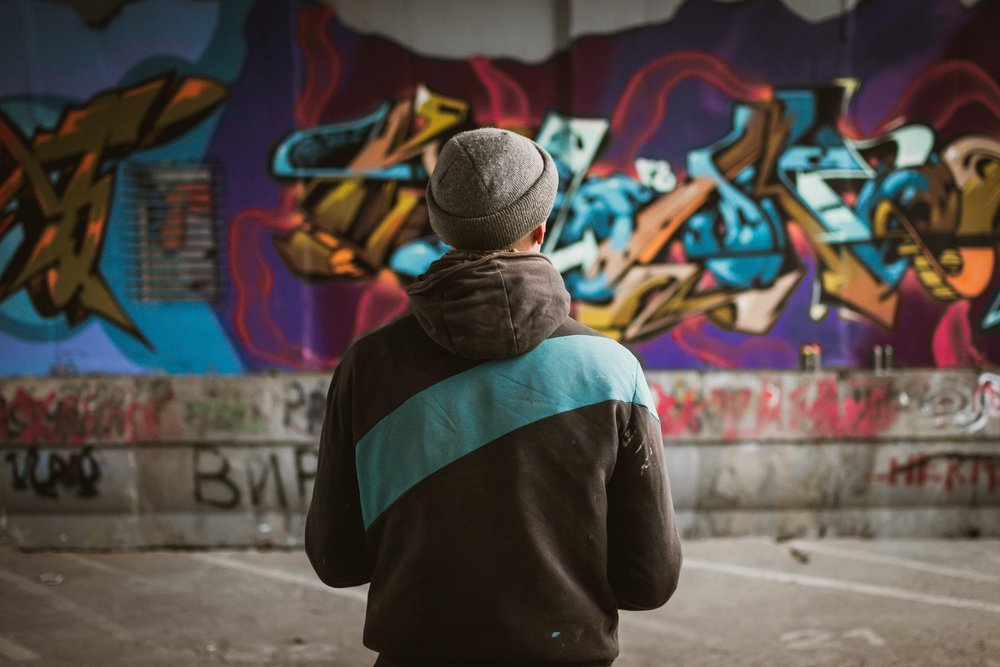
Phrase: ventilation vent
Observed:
(174, 235)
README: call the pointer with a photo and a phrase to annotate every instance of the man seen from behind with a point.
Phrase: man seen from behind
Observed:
(492, 467)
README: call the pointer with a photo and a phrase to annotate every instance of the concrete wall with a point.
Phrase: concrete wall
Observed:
(693, 224)
(193, 461)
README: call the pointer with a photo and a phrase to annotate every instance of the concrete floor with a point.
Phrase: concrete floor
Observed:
(740, 602)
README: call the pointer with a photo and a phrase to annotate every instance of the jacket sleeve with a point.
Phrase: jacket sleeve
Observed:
(335, 531)
(644, 550)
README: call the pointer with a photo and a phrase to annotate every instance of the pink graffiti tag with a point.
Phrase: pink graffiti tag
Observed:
(676, 417)
(769, 406)
(731, 405)
(871, 411)
(961, 470)
(76, 418)
(822, 413)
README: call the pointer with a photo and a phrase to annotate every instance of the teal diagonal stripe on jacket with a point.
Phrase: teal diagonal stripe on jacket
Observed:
(459, 415)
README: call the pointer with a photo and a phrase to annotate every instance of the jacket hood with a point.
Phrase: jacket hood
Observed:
(491, 306)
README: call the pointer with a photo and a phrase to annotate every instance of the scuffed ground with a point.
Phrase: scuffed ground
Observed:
(740, 602)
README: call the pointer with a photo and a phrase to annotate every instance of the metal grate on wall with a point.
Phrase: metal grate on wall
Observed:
(174, 234)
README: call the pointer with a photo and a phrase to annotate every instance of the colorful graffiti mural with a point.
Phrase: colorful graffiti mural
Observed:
(869, 210)
(719, 205)
(58, 191)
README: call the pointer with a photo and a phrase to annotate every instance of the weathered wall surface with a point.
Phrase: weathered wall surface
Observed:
(229, 187)
(139, 461)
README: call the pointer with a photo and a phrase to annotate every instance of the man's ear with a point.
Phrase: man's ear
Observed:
(538, 235)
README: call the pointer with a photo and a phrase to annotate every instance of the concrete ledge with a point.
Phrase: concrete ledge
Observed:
(111, 463)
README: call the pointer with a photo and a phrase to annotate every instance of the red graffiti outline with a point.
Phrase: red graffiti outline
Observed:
(952, 343)
(676, 67)
(255, 226)
(938, 83)
(508, 100)
(313, 29)
(691, 340)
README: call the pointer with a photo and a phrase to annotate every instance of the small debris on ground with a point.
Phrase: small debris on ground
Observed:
(799, 555)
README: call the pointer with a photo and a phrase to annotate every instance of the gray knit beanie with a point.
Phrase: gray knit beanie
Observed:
(489, 188)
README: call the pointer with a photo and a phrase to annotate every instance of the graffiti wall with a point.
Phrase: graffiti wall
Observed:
(232, 186)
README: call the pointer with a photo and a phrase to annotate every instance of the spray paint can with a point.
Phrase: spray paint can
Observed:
(882, 358)
(877, 358)
(810, 356)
